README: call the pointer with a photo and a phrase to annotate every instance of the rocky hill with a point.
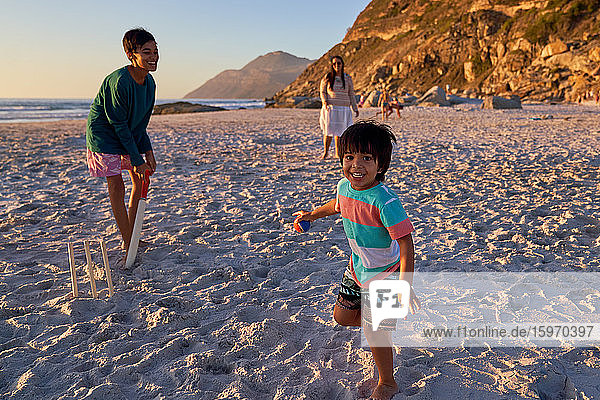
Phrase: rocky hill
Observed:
(260, 78)
(537, 49)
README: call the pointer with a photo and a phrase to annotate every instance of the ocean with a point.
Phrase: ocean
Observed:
(32, 110)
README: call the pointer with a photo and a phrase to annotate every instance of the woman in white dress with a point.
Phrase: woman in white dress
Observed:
(337, 97)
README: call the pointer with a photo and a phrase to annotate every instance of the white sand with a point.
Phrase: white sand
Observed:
(229, 302)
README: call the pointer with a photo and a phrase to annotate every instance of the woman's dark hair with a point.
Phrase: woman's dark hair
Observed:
(135, 38)
(331, 74)
(369, 137)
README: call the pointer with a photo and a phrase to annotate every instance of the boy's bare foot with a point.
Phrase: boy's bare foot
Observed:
(142, 244)
(384, 392)
(120, 264)
(324, 156)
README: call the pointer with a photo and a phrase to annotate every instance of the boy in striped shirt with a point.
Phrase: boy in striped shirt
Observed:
(378, 231)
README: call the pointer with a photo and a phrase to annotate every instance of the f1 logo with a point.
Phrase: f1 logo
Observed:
(389, 300)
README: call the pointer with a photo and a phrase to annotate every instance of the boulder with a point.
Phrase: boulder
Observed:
(372, 99)
(501, 103)
(408, 100)
(435, 96)
(453, 99)
(554, 48)
(311, 102)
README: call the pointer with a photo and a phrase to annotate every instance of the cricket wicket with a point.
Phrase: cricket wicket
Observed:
(90, 270)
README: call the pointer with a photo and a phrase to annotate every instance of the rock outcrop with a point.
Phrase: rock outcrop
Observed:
(536, 49)
(258, 79)
(183, 107)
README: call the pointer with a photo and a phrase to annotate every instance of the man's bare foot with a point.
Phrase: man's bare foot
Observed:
(384, 392)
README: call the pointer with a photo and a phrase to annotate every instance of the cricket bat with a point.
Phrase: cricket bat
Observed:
(139, 220)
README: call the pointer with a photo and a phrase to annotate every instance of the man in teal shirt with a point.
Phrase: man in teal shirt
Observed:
(116, 134)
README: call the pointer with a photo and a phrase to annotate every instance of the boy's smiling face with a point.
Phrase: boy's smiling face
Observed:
(360, 169)
(145, 56)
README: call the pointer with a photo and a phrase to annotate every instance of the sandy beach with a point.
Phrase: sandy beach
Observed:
(229, 302)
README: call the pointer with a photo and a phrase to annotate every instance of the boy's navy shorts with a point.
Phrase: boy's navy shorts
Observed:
(350, 298)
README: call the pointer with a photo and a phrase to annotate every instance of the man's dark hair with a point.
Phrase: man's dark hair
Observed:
(372, 138)
(135, 38)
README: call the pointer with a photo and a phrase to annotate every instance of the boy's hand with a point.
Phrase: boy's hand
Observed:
(415, 304)
(150, 160)
(321, 212)
(141, 169)
(303, 216)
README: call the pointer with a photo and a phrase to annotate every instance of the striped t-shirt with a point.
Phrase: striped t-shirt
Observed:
(373, 220)
(342, 94)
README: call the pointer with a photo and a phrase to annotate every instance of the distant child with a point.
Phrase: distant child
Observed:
(361, 101)
(384, 103)
(395, 105)
(378, 231)
(116, 134)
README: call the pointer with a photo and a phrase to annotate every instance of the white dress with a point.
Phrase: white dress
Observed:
(335, 119)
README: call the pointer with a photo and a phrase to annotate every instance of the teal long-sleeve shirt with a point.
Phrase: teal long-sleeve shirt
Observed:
(119, 116)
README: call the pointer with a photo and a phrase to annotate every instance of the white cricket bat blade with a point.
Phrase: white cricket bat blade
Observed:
(135, 235)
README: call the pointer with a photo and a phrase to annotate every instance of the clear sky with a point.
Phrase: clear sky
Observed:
(64, 48)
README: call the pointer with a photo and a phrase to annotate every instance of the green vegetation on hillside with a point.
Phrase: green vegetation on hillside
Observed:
(556, 19)
(480, 66)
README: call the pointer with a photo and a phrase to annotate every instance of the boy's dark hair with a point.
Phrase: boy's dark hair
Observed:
(135, 38)
(372, 138)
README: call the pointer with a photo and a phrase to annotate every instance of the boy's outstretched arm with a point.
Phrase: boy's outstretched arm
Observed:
(407, 268)
(323, 211)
